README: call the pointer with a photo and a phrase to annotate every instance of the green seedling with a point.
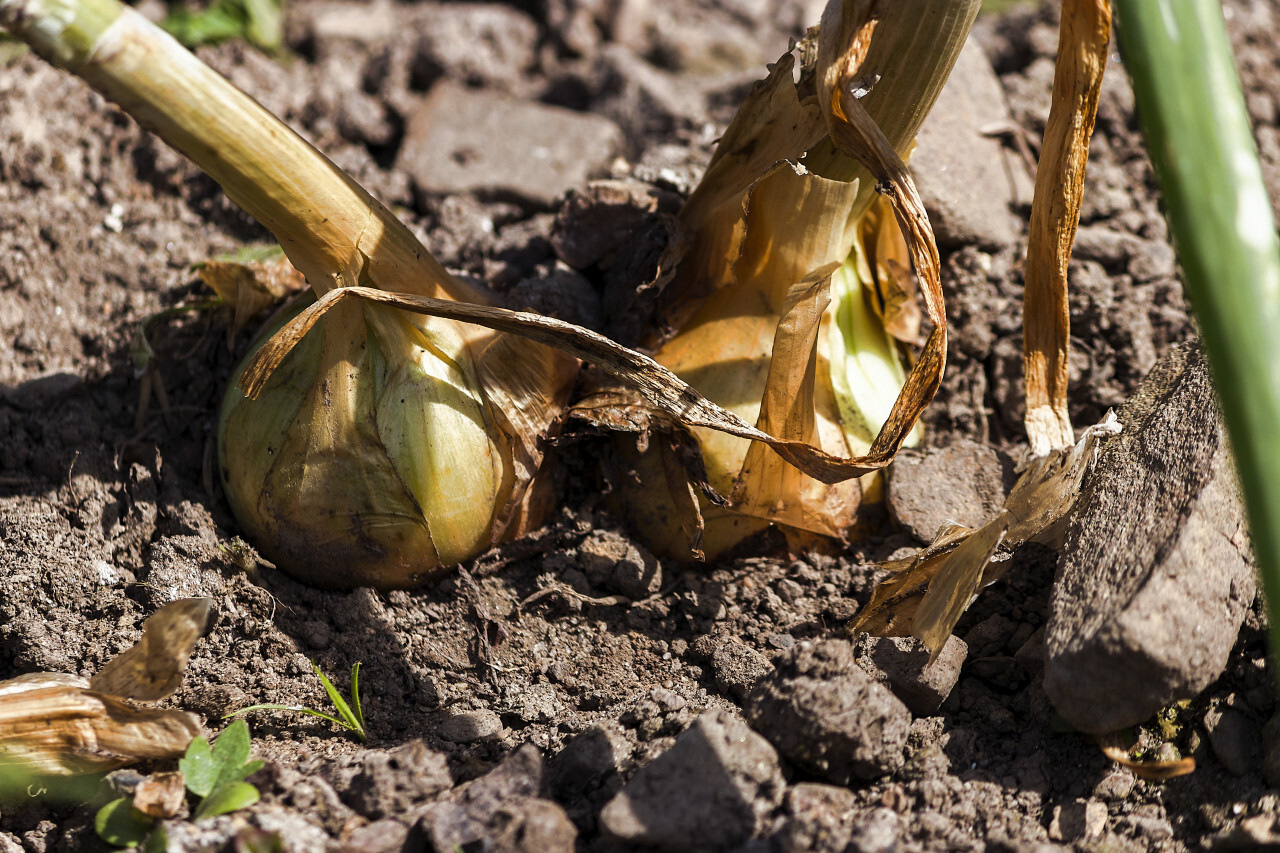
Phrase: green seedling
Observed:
(350, 717)
(215, 774)
(259, 22)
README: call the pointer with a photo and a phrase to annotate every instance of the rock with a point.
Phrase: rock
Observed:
(381, 836)
(961, 483)
(469, 140)
(1157, 575)
(1115, 786)
(711, 791)
(481, 44)
(877, 832)
(504, 810)
(954, 157)
(824, 713)
(1078, 820)
(902, 664)
(9, 843)
(586, 763)
(737, 668)
(392, 783)
(471, 726)
(819, 819)
(1271, 751)
(615, 562)
(1235, 739)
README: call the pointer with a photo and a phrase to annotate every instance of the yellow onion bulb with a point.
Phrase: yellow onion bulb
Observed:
(372, 457)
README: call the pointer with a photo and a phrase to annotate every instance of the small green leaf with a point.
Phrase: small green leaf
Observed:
(157, 841)
(355, 699)
(335, 697)
(120, 824)
(198, 768)
(231, 751)
(227, 798)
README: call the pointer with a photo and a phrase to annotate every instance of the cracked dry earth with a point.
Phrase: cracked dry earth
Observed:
(570, 691)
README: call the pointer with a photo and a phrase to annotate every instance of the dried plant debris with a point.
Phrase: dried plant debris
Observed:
(1083, 39)
(58, 724)
(929, 591)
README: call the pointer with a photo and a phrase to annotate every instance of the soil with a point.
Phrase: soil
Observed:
(109, 507)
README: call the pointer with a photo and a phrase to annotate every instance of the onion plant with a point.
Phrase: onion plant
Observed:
(1198, 135)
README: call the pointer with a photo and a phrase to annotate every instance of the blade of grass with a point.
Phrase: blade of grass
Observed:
(355, 695)
(1199, 138)
(301, 709)
(344, 710)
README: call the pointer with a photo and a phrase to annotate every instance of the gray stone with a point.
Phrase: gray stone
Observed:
(468, 140)
(1157, 575)
(711, 791)
(957, 156)
(481, 44)
(824, 713)
(961, 483)
(1115, 786)
(471, 726)
(902, 664)
(1235, 739)
(737, 667)
(1078, 820)
(615, 562)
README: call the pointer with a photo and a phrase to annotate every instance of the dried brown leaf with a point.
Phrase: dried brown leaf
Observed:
(60, 724)
(161, 795)
(1083, 37)
(1113, 747)
(152, 669)
(250, 288)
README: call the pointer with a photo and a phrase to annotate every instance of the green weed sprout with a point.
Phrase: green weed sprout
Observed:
(1198, 135)
(215, 774)
(350, 717)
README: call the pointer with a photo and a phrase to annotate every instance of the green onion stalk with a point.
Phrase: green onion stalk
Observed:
(1198, 135)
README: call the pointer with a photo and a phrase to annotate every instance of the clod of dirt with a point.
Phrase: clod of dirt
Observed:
(393, 782)
(711, 791)
(962, 483)
(1157, 574)
(819, 819)
(1271, 751)
(737, 667)
(1235, 738)
(467, 140)
(595, 220)
(822, 711)
(504, 809)
(471, 726)
(957, 142)
(902, 664)
(614, 562)
(1078, 821)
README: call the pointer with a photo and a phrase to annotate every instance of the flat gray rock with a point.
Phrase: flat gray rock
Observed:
(711, 791)
(955, 155)
(962, 483)
(471, 140)
(828, 716)
(1157, 573)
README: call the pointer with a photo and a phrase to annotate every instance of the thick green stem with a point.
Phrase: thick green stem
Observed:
(1199, 138)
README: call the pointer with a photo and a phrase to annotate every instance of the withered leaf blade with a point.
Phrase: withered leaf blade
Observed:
(58, 724)
(927, 598)
(1113, 747)
(656, 384)
(50, 725)
(1083, 36)
(152, 669)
